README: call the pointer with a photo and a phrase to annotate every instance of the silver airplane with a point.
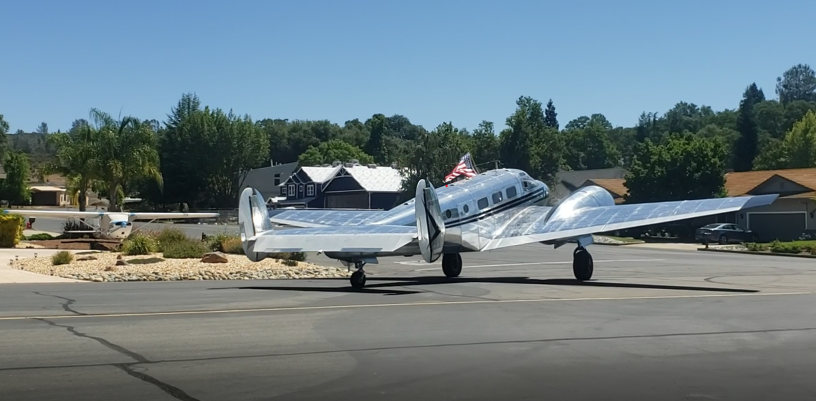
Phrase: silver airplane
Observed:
(492, 210)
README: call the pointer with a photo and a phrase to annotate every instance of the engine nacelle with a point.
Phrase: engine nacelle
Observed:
(586, 197)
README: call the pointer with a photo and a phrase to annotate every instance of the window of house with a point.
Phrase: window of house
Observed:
(283, 191)
(482, 203)
(511, 192)
(310, 190)
(291, 190)
(277, 181)
(497, 197)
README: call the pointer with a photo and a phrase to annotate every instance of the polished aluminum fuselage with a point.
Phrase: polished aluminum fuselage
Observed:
(473, 209)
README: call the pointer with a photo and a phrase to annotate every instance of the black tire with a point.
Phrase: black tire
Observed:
(582, 265)
(452, 264)
(723, 240)
(358, 279)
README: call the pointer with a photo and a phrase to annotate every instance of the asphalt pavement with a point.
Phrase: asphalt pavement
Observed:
(652, 325)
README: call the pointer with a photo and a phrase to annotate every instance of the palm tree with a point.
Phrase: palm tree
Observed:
(75, 160)
(126, 149)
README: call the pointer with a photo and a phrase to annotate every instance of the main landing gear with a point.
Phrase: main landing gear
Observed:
(452, 264)
(582, 265)
(358, 278)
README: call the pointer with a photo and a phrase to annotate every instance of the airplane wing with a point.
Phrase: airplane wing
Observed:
(361, 238)
(170, 215)
(53, 213)
(531, 224)
(322, 218)
(86, 214)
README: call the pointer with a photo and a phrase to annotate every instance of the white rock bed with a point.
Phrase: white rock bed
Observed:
(104, 268)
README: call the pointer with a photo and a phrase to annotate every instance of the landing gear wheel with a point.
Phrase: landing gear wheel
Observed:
(452, 264)
(582, 265)
(358, 279)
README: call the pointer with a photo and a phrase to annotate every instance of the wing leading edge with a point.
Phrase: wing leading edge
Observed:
(530, 224)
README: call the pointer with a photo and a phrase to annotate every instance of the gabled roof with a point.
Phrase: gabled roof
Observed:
(613, 185)
(319, 175)
(376, 179)
(742, 183)
(578, 177)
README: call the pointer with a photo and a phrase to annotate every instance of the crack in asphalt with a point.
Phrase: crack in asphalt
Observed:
(65, 305)
(128, 368)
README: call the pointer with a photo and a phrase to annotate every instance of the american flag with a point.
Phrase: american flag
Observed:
(465, 167)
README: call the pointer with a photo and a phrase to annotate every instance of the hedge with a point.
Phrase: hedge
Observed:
(11, 230)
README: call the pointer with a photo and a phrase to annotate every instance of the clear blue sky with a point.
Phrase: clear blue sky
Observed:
(432, 61)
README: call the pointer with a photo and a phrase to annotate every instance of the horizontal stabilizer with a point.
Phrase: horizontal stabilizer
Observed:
(370, 238)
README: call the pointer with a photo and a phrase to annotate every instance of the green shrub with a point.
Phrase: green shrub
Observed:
(785, 247)
(290, 262)
(139, 244)
(62, 258)
(187, 249)
(753, 246)
(233, 246)
(298, 256)
(169, 236)
(40, 237)
(11, 230)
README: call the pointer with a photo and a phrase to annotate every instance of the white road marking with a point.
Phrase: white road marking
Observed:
(530, 263)
(406, 304)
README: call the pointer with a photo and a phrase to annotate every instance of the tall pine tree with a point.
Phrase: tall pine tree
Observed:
(550, 115)
(746, 147)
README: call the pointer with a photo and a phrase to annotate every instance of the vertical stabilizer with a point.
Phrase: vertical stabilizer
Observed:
(430, 227)
(253, 219)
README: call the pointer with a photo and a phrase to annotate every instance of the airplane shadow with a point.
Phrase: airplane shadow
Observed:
(385, 283)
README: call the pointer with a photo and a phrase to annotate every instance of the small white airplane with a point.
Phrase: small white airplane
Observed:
(112, 225)
(492, 210)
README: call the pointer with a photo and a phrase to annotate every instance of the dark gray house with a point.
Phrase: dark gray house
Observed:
(267, 180)
(568, 182)
(348, 186)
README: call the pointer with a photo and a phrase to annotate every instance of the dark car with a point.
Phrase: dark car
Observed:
(724, 233)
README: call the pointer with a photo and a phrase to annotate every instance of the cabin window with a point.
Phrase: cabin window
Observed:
(451, 213)
(526, 185)
(511, 192)
(497, 197)
(310, 190)
(465, 209)
(482, 203)
(291, 190)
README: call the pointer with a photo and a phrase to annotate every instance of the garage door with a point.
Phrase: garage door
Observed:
(347, 201)
(781, 226)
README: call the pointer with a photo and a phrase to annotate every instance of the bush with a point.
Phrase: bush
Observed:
(187, 249)
(62, 258)
(298, 256)
(139, 244)
(785, 247)
(11, 230)
(169, 236)
(40, 237)
(753, 246)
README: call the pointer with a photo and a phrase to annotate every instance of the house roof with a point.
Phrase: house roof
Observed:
(320, 174)
(46, 188)
(741, 183)
(613, 185)
(577, 177)
(377, 179)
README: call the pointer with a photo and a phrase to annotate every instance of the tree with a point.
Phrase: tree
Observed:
(590, 148)
(797, 83)
(746, 147)
(42, 129)
(377, 143)
(550, 116)
(800, 143)
(685, 167)
(328, 152)
(4, 128)
(15, 186)
(75, 159)
(484, 144)
(432, 156)
(126, 150)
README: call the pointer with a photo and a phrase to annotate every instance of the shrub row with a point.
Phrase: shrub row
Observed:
(782, 247)
(174, 244)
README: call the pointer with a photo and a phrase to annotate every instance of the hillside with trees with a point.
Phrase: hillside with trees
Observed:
(195, 158)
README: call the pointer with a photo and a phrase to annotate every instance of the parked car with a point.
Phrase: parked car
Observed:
(724, 233)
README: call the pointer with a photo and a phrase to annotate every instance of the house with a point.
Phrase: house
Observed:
(343, 186)
(568, 182)
(48, 195)
(786, 219)
(363, 187)
(268, 180)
